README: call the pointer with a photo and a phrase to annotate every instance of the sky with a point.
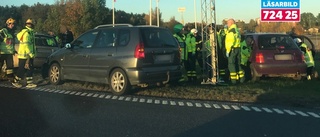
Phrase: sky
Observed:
(237, 9)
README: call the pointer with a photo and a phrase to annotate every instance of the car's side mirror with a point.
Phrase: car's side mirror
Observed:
(68, 46)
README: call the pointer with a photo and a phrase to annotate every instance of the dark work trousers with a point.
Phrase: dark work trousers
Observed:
(235, 70)
(21, 70)
(309, 70)
(191, 69)
(8, 59)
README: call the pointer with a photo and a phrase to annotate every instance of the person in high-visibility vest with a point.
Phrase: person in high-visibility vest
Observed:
(26, 54)
(232, 45)
(246, 49)
(7, 49)
(191, 57)
(308, 57)
(181, 38)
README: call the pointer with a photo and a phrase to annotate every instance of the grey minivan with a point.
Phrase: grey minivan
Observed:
(121, 57)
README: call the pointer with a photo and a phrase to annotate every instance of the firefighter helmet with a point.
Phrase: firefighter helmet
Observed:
(10, 21)
(29, 21)
(193, 31)
(297, 40)
(177, 28)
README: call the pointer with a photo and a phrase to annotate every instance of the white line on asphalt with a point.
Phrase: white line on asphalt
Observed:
(164, 102)
(78, 93)
(246, 108)
(67, 92)
(198, 105)
(289, 112)
(207, 105)
(108, 96)
(181, 103)
(278, 111)
(95, 95)
(156, 101)
(135, 99)
(114, 97)
(256, 109)
(189, 104)
(216, 106)
(226, 107)
(142, 100)
(302, 114)
(72, 93)
(172, 103)
(89, 95)
(149, 101)
(121, 98)
(267, 110)
(313, 114)
(101, 96)
(128, 99)
(235, 107)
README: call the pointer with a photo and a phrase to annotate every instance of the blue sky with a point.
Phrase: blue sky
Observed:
(237, 9)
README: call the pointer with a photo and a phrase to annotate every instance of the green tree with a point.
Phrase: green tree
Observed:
(308, 20)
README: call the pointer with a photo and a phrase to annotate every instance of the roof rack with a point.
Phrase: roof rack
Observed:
(113, 25)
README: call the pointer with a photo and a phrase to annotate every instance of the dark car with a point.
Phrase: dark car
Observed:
(45, 45)
(122, 57)
(276, 55)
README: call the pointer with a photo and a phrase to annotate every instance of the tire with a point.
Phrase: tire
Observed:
(119, 83)
(55, 74)
(254, 75)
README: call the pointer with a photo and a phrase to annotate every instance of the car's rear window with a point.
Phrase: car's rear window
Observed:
(153, 37)
(276, 42)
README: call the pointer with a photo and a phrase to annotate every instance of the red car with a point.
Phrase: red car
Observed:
(276, 55)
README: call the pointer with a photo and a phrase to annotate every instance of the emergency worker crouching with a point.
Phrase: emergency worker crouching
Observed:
(26, 54)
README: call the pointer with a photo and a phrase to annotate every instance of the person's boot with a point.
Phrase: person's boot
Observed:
(16, 82)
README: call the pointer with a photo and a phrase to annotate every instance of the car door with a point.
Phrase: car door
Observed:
(76, 60)
(102, 55)
(45, 45)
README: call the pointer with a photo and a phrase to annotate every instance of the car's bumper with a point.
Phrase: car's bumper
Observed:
(137, 77)
(280, 69)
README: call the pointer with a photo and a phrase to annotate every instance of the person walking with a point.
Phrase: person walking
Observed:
(26, 54)
(308, 57)
(7, 49)
(191, 56)
(232, 45)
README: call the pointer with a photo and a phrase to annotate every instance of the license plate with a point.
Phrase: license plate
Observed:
(283, 57)
(163, 58)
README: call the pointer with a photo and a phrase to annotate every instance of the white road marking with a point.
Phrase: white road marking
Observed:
(164, 102)
(216, 106)
(256, 109)
(157, 102)
(226, 107)
(114, 97)
(235, 107)
(267, 110)
(278, 111)
(189, 104)
(302, 114)
(173, 103)
(289, 112)
(313, 114)
(121, 98)
(149, 101)
(108, 96)
(181, 103)
(128, 99)
(207, 105)
(246, 108)
(198, 105)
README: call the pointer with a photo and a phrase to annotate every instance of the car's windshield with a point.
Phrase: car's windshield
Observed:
(276, 41)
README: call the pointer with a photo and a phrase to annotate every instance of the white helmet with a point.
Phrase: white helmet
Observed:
(297, 40)
(194, 31)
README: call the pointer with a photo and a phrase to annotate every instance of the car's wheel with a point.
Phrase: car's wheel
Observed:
(119, 83)
(55, 74)
(254, 74)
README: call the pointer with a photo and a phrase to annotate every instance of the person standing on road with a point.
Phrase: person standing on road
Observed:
(308, 57)
(26, 54)
(181, 38)
(7, 49)
(191, 56)
(232, 44)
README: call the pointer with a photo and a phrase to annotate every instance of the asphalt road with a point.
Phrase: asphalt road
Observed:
(45, 112)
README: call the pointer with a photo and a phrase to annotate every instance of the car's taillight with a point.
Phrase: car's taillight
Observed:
(259, 58)
(139, 51)
(302, 57)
